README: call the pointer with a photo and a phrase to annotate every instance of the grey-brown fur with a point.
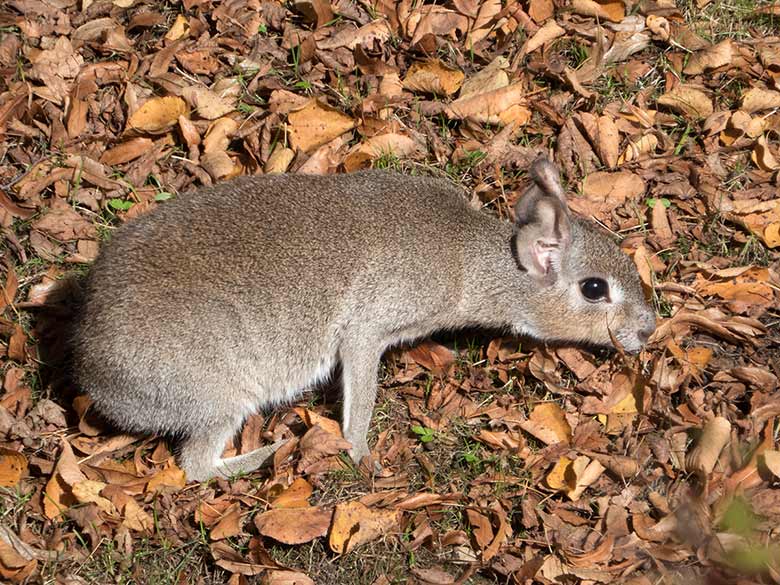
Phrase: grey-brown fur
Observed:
(242, 295)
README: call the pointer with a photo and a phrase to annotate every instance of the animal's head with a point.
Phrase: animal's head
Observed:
(587, 290)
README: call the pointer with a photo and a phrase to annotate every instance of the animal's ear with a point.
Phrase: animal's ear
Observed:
(543, 223)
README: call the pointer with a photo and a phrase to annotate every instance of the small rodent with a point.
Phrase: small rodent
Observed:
(242, 295)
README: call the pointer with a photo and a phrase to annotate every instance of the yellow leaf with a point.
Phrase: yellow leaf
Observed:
(548, 424)
(13, 466)
(170, 477)
(158, 115)
(557, 479)
(316, 124)
(355, 524)
(433, 76)
(179, 28)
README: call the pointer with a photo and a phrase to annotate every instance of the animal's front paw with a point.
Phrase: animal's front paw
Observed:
(359, 450)
(361, 455)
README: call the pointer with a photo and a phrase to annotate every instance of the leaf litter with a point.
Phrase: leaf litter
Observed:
(501, 460)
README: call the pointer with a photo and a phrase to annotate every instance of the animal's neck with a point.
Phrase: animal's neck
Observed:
(493, 285)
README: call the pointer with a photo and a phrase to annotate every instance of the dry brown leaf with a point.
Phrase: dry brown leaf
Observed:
(170, 477)
(295, 496)
(127, 151)
(757, 99)
(432, 356)
(157, 115)
(705, 453)
(88, 491)
(275, 577)
(491, 77)
(611, 10)
(318, 443)
(710, 58)
(64, 224)
(230, 560)
(433, 76)
(58, 495)
(639, 148)
(548, 424)
(377, 30)
(280, 160)
(574, 477)
(605, 191)
(13, 467)
(487, 107)
(229, 524)
(294, 525)
(179, 29)
(317, 12)
(762, 219)
(763, 157)
(398, 145)
(661, 227)
(316, 124)
(484, 22)
(550, 31)
(772, 462)
(207, 103)
(688, 101)
(136, 518)
(480, 528)
(355, 524)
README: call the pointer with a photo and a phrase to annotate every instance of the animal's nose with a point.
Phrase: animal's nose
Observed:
(645, 333)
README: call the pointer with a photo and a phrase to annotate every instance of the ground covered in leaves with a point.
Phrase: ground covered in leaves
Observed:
(503, 461)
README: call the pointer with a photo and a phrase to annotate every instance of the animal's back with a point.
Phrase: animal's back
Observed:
(246, 288)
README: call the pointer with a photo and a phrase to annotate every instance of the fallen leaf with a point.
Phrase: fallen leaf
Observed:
(294, 525)
(280, 160)
(318, 443)
(179, 29)
(157, 115)
(549, 32)
(710, 58)
(207, 103)
(433, 77)
(486, 107)
(136, 518)
(275, 577)
(432, 356)
(127, 151)
(611, 10)
(171, 477)
(688, 101)
(88, 491)
(317, 124)
(355, 524)
(295, 496)
(548, 424)
(763, 157)
(772, 462)
(757, 99)
(229, 525)
(705, 452)
(480, 528)
(13, 467)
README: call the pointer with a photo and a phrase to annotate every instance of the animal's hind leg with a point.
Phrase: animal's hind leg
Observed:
(201, 456)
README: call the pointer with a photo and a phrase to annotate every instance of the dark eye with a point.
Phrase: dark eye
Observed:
(594, 289)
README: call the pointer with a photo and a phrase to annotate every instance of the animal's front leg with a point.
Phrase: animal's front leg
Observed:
(359, 374)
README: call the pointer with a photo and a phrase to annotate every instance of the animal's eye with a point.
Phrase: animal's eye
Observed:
(594, 289)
